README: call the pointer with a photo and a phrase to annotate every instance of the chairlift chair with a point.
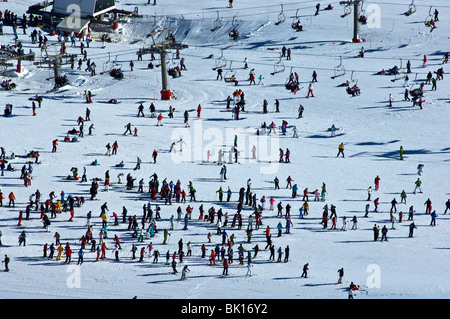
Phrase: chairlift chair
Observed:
(3, 68)
(353, 88)
(411, 9)
(234, 33)
(352, 80)
(217, 23)
(291, 83)
(116, 64)
(347, 11)
(339, 70)
(278, 67)
(296, 23)
(229, 74)
(362, 17)
(281, 17)
(429, 18)
(108, 65)
(221, 62)
(400, 74)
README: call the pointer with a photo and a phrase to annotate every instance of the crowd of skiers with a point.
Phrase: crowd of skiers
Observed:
(233, 230)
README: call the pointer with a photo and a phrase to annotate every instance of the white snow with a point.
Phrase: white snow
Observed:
(372, 133)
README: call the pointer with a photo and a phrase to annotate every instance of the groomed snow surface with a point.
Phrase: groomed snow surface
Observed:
(372, 134)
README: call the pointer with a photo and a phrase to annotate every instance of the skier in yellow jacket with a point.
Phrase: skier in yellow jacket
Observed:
(341, 150)
(60, 250)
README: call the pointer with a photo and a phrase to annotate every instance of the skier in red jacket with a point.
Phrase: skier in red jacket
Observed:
(377, 182)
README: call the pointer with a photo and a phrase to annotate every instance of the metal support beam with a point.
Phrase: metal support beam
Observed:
(161, 49)
(356, 38)
(163, 70)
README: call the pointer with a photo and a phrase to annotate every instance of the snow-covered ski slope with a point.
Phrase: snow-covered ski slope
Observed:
(402, 267)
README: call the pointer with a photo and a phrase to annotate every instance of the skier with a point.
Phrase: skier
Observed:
(412, 226)
(403, 197)
(418, 183)
(295, 130)
(390, 99)
(6, 262)
(419, 169)
(341, 275)
(225, 267)
(447, 206)
(377, 182)
(369, 193)
(375, 202)
(384, 232)
(245, 63)
(184, 272)
(260, 80)
(376, 232)
(80, 257)
(300, 111)
(141, 110)
(219, 74)
(305, 270)
(160, 117)
(314, 76)
(182, 64)
(433, 218)
(310, 91)
(340, 150)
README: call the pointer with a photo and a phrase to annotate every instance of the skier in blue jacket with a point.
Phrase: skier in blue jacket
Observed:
(294, 190)
(280, 229)
(433, 218)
